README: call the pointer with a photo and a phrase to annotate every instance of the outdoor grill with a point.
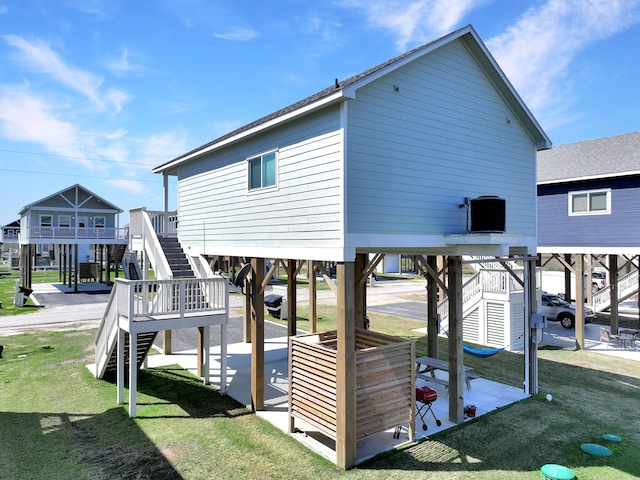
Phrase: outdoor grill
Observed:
(425, 396)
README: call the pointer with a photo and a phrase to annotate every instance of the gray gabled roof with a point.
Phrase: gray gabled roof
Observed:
(591, 159)
(345, 89)
(108, 205)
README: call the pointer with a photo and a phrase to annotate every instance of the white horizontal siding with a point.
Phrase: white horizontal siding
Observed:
(415, 154)
(217, 214)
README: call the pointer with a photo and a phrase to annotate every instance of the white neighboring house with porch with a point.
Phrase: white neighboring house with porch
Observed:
(74, 231)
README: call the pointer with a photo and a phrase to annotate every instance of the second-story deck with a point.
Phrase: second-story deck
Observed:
(39, 234)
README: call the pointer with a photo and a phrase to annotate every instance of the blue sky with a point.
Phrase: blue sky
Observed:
(98, 92)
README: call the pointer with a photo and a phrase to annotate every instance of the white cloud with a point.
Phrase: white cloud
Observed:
(134, 187)
(162, 147)
(237, 34)
(416, 21)
(117, 98)
(536, 52)
(125, 64)
(28, 118)
(39, 57)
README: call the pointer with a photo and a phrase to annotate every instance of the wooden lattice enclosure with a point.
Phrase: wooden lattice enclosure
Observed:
(385, 382)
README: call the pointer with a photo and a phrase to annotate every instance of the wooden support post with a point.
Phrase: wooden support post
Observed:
(456, 352)
(360, 289)
(432, 310)
(292, 302)
(257, 334)
(613, 289)
(313, 304)
(579, 321)
(567, 278)
(167, 349)
(346, 368)
(120, 362)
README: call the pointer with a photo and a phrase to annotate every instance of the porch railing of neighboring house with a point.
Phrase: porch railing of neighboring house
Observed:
(66, 233)
(11, 237)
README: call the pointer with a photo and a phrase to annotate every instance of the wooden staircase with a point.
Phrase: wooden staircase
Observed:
(116, 253)
(143, 346)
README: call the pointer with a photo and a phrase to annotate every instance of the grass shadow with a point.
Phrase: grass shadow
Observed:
(90, 450)
(175, 386)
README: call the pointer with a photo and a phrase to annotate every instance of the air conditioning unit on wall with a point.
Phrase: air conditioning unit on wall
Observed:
(487, 214)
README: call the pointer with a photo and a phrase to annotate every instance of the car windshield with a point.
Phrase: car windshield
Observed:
(557, 301)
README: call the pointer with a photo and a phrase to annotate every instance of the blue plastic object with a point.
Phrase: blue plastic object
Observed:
(552, 471)
(595, 449)
(609, 437)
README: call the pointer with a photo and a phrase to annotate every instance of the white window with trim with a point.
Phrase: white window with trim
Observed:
(263, 171)
(99, 222)
(590, 202)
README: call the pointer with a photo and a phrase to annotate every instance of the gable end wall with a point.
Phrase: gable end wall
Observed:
(414, 154)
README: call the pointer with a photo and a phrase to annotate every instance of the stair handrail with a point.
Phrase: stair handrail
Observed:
(106, 331)
(142, 225)
(201, 266)
(627, 284)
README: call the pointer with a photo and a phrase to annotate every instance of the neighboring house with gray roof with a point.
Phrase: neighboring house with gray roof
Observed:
(72, 230)
(589, 196)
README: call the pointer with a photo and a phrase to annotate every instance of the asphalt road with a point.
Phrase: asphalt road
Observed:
(413, 310)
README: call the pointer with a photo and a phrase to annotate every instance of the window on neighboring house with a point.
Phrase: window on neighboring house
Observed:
(99, 222)
(46, 221)
(64, 224)
(262, 171)
(594, 202)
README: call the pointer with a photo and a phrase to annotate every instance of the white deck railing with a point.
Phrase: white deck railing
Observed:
(62, 233)
(140, 300)
(161, 222)
(497, 281)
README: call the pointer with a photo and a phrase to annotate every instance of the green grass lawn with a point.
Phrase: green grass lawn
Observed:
(59, 422)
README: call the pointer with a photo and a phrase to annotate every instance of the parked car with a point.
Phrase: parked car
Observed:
(598, 281)
(558, 309)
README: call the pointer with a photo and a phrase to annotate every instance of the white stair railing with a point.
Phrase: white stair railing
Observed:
(143, 229)
(494, 281)
(627, 286)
